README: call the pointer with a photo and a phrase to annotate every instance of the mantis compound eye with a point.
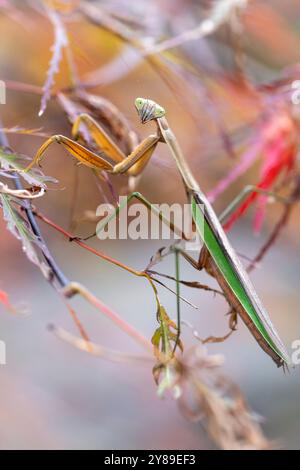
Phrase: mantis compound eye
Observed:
(139, 103)
(159, 111)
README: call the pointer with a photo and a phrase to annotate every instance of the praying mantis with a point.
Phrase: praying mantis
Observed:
(217, 257)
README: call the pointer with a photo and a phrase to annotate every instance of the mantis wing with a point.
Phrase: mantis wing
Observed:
(234, 273)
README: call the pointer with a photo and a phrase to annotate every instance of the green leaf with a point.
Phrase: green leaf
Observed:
(165, 335)
(17, 162)
(20, 228)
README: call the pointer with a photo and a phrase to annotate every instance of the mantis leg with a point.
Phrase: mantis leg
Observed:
(203, 255)
(149, 205)
(177, 276)
(84, 155)
(139, 157)
(238, 200)
(203, 262)
(99, 135)
(200, 264)
(134, 163)
(143, 151)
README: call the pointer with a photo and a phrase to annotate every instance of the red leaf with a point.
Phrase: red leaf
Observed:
(279, 153)
(4, 300)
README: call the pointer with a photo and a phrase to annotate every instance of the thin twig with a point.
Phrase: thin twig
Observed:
(81, 243)
(276, 232)
(98, 350)
(76, 288)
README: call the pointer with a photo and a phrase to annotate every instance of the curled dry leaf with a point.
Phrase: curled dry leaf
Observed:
(31, 193)
(204, 394)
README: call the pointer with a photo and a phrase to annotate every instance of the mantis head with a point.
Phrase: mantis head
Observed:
(148, 109)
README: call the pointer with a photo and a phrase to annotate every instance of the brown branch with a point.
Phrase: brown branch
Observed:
(81, 243)
(276, 232)
(281, 224)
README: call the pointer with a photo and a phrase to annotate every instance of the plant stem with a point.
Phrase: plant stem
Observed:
(81, 243)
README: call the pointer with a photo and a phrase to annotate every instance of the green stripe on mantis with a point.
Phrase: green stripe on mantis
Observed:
(228, 271)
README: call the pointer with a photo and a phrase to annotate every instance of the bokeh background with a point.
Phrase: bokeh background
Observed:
(53, 396)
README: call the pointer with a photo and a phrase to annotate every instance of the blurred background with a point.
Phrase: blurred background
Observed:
(54, 396)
